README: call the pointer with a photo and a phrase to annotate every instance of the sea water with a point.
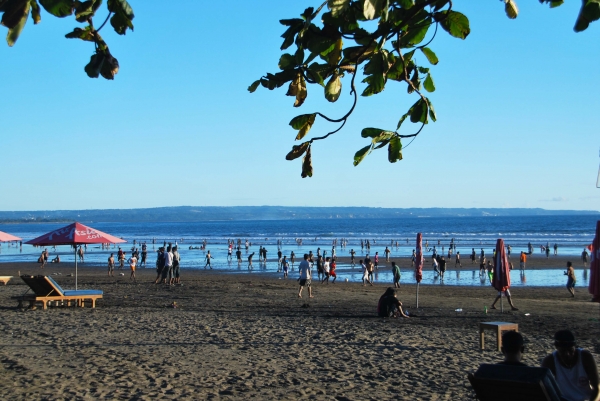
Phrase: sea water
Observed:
(571, 233)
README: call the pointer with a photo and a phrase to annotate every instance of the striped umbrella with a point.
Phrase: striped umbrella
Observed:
(419, 263)
(594, 287)
(501, 276)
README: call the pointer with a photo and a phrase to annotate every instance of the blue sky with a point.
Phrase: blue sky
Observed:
(516, 102)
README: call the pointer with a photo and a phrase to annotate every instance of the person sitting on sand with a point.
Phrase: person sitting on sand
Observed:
(575, 369)
(56, 259)
(305, 276)
(512, 348)
(389, 305)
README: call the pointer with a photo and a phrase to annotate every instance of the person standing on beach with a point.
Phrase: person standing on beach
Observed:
(413, 258)
(457, 260)
(555, 249)
(326, 270)
(473, 255)
(80, 253)
(167, 271)
(376, 260)
(584, 257)
(250, 261)
(264, 255)
(305, 277)
(238, 255)
(230, 252)
(365, 278)
(111, 265)
(320, 271)
(144, 254)
(279, 260)
(208, 258)
(332, 273)
(396, 273)
(132, 264)
(547, 251)
(571, 279)
(442, 267)
(387, 254)
(370, 270)
(160, 264)
(285, 267)
(522, 260)
(507, 294)
(292, 259)
(574, 368)
(352, 253)
(175, 277)
(508, 250)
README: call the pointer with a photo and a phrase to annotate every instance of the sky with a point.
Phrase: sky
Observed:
(516, 103)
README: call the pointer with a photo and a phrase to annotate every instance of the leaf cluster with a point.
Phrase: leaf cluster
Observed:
(102, 63)
(383, 41)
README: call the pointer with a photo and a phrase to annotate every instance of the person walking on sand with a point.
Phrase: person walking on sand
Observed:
(396, 273)
(365, 269)
(584, 257)
(305, 276)
(574, 368)
(370, 269)
(238, 255)
(132, 264)
(111, 265)
(332, 273)
(326, 270)
(168, 269)
(413, 258)
(352, 253)
(43, 258)
(208, 258)
(507, 294)
(250, 261)
(320, 271)
(376, 260)
(442, 267)
(473, 255)
(285, 267)
(571, 279)
(522, 260)
(387, 254)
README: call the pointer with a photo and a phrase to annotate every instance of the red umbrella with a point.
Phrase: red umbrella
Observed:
(501, 277)
(594, 287)
(75, 234)
(4, 237)
(419, 263)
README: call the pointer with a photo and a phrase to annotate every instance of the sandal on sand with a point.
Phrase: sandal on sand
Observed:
(492, 307)
(513, 308)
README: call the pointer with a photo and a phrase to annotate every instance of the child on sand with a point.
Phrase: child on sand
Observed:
(132, 263)
(111, 265)
(285, 267)
(332, 267)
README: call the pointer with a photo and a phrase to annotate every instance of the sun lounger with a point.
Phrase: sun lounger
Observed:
(5, 279)
(514, 383)
(46, 290)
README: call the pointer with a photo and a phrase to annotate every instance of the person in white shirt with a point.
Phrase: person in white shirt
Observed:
(167, 270)
(305, 276)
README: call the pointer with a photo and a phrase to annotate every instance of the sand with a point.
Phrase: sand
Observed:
(239, 336)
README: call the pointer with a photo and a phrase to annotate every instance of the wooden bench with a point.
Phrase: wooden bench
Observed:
(46, 290)
(499, 327)
(5, 279)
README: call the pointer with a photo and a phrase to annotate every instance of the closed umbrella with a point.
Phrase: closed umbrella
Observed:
(594, 287)
(4, 237)
(419, 263)
(501, 276)
(75, 234)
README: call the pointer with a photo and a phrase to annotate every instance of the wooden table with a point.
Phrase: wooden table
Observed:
(5, 279)
(499, 327)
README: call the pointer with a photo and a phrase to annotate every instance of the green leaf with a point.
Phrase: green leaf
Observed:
(297, 151)
(371, 132)
(428, 84)
(333, 88)
(123, 16)
(15, 31)
(287, 61)
(337, 7)
(85, 10)
(303, 123)
(404, 117)
(360, 155)
(431, 57)
(590, 12)
(395, 150)
(384, 137)
(84, 34)
(455, 23)
(419, 112)
(299, 56)
(307, 169)
(254, 85)
(432, 114)
(58, 8)
(510, 7)
(35, 12)
(14, 11)
(416, 34)
(92, 69)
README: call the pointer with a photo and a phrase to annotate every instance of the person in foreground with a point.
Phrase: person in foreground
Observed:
(305, 276)
(389, 305)
(512, 348)
(575, 369)
(507, 293)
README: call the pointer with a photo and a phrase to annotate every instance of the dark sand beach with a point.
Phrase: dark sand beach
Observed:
(240, 336)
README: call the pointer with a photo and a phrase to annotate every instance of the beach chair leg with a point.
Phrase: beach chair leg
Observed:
(93, 302)
(44, 305)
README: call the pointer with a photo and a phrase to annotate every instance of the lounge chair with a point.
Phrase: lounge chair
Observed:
(514, 383)
(5, 279)
(45, 290)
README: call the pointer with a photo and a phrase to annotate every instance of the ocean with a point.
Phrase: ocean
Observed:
(571, 233)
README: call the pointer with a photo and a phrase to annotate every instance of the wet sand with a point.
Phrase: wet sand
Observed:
(236, 336)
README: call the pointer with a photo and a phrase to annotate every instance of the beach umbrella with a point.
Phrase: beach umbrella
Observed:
(501, 272)
(594, 287)
(4, 237)
(75, 234)
(419, 263)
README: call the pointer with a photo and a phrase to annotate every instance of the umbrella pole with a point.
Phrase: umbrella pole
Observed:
(417, 295)
(501, 303)
(75, 267)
